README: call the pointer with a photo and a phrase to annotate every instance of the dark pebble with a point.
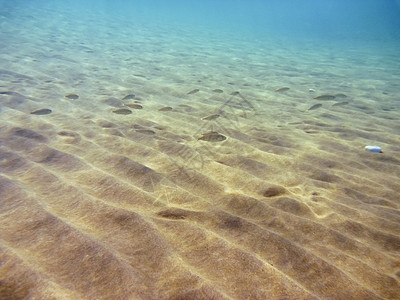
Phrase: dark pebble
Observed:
(43, 111)
(122, 111)
(71, 96)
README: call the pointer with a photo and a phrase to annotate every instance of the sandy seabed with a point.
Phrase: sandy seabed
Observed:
(167, 166)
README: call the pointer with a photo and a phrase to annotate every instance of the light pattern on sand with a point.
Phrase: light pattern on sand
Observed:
(234, 191)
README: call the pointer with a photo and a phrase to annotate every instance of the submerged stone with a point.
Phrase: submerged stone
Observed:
(122, 111)
(341, 103)
(211, 117)
(10, 93)
(274, 191)
(134, 106)
(42, 111)
(129, 97)
(325, 97)
(282, 89)
(193, 91)
(315, 106)
(212, 136)
(145, 131)
(71, 96)
(167, 108)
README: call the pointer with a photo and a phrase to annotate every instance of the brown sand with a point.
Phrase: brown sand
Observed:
(92, 208)
(98, 205)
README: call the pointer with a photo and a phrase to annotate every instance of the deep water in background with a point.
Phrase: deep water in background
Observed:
(330, 19)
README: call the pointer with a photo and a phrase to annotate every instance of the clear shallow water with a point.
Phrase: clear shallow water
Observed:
(239, 189)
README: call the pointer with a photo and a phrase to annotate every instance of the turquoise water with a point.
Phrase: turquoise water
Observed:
(199, 149)
(335, 20)
(351, 31)
(258, 44)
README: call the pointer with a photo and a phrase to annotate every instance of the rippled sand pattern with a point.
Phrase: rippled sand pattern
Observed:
(101, 205)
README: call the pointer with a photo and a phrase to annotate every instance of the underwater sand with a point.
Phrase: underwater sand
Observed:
(234, 191)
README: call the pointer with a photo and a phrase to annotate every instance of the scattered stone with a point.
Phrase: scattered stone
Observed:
(134, 106)
(71, 96)
(282, 89)
(129, 97)
(325, 97)
(274, 191)
(122, 111)
(42, 111)
(340, 103)
(145, 131)
(174, 214)
(193, 91)
(211, 117)
(212, 136)
(218, 91)
(315, 106)
(10, 93)
(167, 108)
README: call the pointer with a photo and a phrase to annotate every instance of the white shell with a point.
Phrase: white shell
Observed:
(373, 149)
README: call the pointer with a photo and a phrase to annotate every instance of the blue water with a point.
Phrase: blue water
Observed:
(182, 42)
(333, 19)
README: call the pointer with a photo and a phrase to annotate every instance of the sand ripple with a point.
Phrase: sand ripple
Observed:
(88, 213)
